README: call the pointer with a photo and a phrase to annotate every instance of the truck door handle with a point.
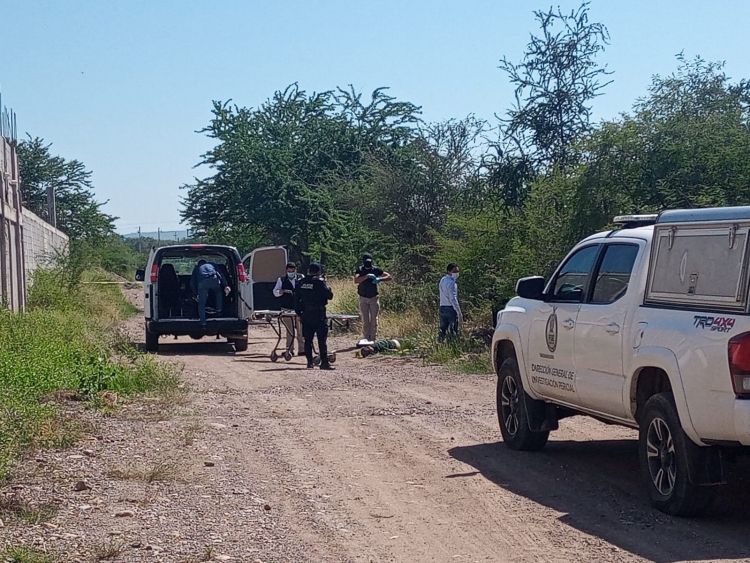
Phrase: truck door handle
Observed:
(612, 328)
(568, 323)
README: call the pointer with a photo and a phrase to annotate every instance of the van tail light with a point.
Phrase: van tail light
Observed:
(739, 364)
(241, 275)
(154, 273)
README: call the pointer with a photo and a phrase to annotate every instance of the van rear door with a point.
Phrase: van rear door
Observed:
(263, 266)
(150, 298)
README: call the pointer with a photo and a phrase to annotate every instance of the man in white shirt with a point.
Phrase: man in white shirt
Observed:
(450, 310)
(284, 291)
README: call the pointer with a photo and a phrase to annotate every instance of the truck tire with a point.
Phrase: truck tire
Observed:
(152, 341)
(240, 344)
(511, 411)
(666, 453)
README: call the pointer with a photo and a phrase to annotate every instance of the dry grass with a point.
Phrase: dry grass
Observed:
(409, 314)
(159, 471)
(108, 550)
(395, 320)
(25, 555)
(14, 506)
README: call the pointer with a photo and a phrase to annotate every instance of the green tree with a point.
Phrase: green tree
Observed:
(78, 213)
(413, 190)
(555, 85)
(287, 168)
(686, 144)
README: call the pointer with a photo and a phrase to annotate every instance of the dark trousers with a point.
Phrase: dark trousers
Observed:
(311, 327)
(448, 323)
(206, 286)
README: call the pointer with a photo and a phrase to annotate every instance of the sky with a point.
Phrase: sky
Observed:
(123, 85)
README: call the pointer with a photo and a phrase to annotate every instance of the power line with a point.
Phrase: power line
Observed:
(149, 223)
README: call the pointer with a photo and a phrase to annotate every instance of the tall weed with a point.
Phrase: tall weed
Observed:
(64, 342)
(410, 313)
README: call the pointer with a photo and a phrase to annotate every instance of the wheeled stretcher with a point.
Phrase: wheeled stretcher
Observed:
(275, 320)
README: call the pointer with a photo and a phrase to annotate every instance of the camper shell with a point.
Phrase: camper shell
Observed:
(699, 260)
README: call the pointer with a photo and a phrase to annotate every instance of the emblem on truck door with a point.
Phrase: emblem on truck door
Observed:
(551, 331)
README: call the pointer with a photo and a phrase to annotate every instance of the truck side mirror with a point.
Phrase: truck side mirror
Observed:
(140, 275)
(531, 288)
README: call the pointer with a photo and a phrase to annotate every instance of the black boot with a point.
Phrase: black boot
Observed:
(327, 367)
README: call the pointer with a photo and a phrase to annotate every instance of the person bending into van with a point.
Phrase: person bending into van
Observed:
(206, 278)
(450, 310)
(310, 300)
(284, 291)
(367, 277)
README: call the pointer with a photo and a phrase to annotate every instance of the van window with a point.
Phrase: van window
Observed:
(570, 284)
(613, 277)
(185, 264)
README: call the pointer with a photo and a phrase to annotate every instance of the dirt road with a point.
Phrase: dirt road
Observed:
(387, 460)
(383, 460)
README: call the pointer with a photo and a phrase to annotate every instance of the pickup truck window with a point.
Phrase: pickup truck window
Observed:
(571, 281)
(613, 276)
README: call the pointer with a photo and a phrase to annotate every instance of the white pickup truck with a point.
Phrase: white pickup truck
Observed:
(647, 326)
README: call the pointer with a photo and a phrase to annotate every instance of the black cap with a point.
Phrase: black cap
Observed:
(366, 256)
(291, 265)
(314, 268)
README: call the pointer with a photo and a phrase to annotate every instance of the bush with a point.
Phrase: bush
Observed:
(65, 342)
(409, 313)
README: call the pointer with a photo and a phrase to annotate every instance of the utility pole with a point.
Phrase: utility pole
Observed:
(51, 211)
(140, 241)
(158, 237)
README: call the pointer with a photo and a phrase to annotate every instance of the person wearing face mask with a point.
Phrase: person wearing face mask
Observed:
(284, 291)
(450, 310)
(367, 277)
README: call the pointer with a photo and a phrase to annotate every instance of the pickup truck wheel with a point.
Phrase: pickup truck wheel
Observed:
(152, 341)
(240, 344)
(511, 411)
(665, 453)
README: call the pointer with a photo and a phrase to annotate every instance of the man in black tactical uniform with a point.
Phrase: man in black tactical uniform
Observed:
(310, 300)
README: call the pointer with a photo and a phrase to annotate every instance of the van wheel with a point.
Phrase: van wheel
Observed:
(240, 344)
(665, 454)
(511, 411)
(152, 341)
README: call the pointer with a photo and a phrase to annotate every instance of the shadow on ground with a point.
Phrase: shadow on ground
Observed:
(596, 486)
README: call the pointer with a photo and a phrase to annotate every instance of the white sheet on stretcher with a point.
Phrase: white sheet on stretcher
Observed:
(335, 316)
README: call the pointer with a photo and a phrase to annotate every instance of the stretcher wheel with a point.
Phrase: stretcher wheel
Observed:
(274, 356)
(332, 358)
(287, 355)
(316, 361)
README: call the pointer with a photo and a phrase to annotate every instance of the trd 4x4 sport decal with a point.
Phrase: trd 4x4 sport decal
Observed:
(714, 324)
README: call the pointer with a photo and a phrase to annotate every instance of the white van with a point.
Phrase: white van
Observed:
(171, 308)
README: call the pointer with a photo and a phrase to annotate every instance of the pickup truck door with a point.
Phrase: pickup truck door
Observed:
(600, 329)
(550, 359)
(263, 267)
